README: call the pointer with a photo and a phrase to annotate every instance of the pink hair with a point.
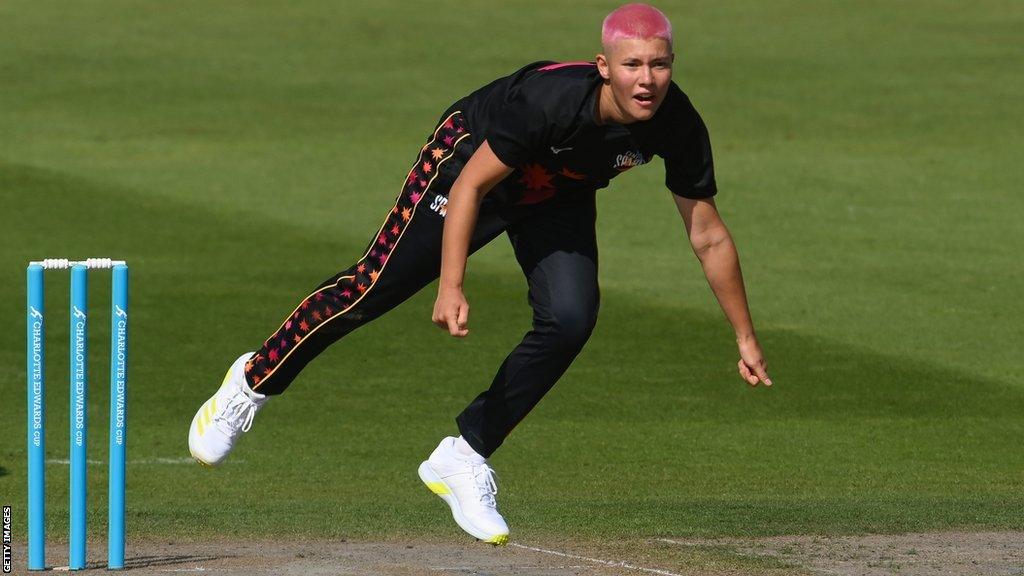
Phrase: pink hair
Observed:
(635, 21)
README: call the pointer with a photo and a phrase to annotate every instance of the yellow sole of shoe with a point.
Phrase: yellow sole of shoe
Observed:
(499, 540)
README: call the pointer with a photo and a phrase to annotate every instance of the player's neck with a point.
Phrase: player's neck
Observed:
(606, 110)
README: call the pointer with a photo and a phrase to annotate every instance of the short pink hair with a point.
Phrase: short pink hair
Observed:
(635, 21)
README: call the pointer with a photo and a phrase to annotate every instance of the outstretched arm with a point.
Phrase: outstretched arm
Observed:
(713, 246)
(481, 173)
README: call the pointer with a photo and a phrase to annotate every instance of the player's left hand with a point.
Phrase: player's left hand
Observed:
(752, 365)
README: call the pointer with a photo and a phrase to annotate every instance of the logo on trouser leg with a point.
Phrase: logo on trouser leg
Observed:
(440, 205)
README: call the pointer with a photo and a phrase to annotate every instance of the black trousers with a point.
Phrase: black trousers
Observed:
(554, 243)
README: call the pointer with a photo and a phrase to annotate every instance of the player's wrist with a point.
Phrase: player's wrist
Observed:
(746, 337)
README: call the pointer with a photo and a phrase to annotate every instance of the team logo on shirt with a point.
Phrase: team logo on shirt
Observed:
(440, 205)
(628, 160)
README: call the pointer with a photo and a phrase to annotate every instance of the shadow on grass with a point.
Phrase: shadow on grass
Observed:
(650, 432)
(152, 561)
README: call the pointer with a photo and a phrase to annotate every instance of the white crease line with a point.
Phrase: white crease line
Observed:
(144, 461)
(616, 563)
(681, 543)
(197, 569)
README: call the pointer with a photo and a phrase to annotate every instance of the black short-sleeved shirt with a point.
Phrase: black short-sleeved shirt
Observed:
(541, 121)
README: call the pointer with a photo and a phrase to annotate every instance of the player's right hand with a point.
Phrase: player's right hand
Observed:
(451, 311)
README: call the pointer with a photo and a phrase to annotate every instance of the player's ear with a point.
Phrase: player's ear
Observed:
(602, 66)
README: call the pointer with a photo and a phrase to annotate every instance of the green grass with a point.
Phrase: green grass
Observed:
(239, 153)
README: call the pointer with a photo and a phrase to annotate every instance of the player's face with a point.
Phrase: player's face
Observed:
(637, 75)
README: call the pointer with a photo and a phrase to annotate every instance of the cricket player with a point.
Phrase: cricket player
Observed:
(524, 156)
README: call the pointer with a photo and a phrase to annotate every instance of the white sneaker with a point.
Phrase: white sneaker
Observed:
(223, 418)
(467, 484)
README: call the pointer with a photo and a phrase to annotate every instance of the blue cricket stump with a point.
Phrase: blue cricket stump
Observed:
(79, 347)
(79, 425)
(118, 415)
(36, 421)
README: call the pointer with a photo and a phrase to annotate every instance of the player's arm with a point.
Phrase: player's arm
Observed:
(481, 173)
(714, 247)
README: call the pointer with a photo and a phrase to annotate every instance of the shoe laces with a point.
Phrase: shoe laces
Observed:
(240, 408)
(486, 487)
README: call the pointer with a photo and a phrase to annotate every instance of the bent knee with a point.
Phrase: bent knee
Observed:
(572, 325)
